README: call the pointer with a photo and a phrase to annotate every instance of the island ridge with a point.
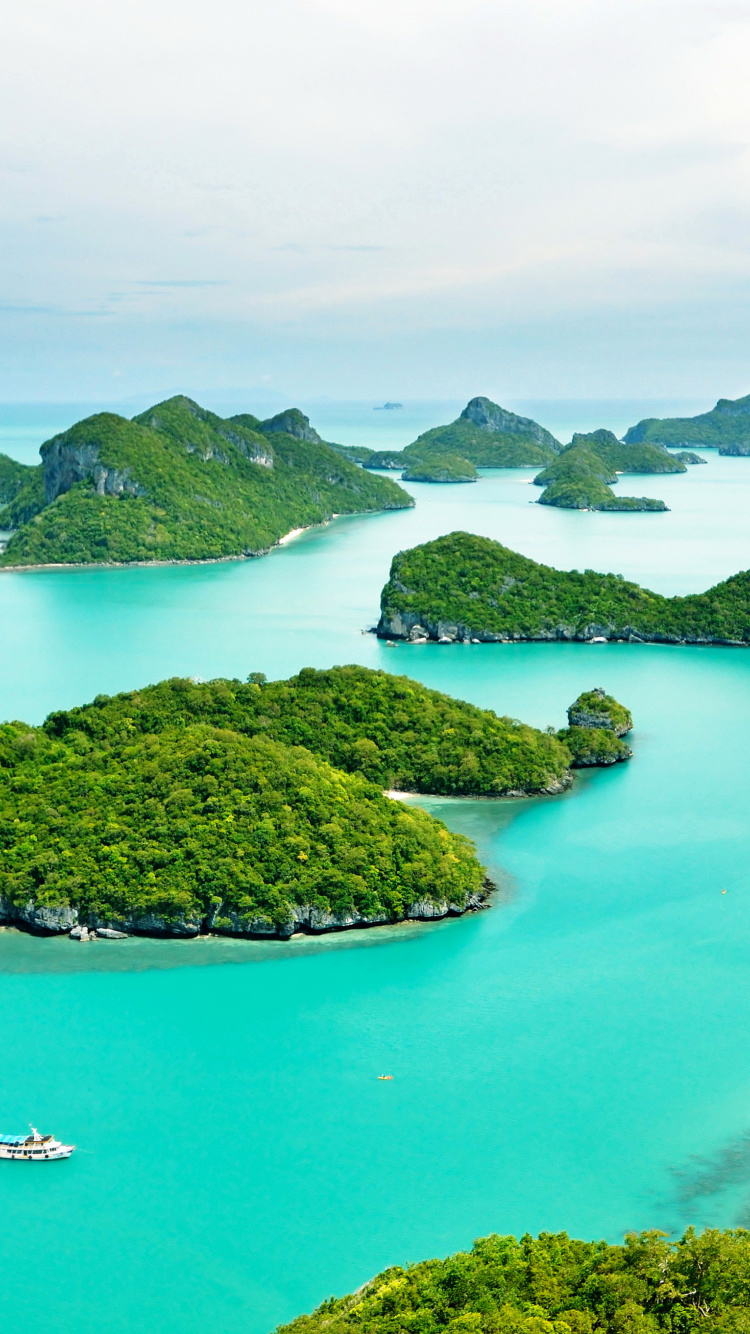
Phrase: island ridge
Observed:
(179, 483)
(463, 587)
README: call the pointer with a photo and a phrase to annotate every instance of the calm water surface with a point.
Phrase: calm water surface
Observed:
(575, 1058)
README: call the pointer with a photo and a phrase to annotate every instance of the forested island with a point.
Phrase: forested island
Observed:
(484, 436)
(575, 476)
(440, 468)
(179, 483)
(597, 722)
(462, 587)
(257, 808)
(582, 476)
(726, 428)
(554, 1284)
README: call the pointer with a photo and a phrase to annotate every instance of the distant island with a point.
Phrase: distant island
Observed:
(258, 808)
(388, 407)
(484, 435)
(463, 587)
(582, 476)
(178, 483)
(726, 428)
(575, 476)
(440, 468)
(554, 1284)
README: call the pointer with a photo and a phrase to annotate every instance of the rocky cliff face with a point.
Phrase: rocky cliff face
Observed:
(65, 463)
(595, 708)
(306, 918)
(292, 422)
(488, 416)
(413, 627)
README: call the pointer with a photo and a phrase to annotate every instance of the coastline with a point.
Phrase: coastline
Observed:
(195, 560)
(59, 920)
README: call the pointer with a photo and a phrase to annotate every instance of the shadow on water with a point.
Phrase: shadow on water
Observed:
(715, 1190)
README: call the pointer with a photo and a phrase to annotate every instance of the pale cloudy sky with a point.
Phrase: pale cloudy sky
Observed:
(375, 197)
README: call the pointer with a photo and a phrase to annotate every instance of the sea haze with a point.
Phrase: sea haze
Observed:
(25, 426)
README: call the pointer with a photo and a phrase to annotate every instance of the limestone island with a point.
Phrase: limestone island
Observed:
(582, 476)
(596, 725)
(484, 436)
(178, 483)
(464, 588)
(554, 1284)
(255, 808)
(440, 468)
(726, 428)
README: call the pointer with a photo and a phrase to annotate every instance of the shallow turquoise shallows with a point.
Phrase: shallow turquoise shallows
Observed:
(577, 1057)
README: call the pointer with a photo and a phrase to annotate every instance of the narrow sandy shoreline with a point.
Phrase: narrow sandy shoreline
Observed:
(150, 564)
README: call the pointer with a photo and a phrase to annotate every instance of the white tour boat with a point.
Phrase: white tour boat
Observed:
(34, 1148)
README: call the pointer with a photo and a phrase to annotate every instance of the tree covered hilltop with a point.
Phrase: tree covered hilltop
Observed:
(255, 808)
(463, 587)
(180, 483)
(553, 1284)
(485, 435)
(583, 475)
(726, 428)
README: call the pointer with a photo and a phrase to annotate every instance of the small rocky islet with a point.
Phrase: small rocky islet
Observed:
(258, 808)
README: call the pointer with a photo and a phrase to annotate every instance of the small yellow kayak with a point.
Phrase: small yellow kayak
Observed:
(385, 1076)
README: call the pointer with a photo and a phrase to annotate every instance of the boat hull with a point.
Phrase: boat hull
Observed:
(38, 1156)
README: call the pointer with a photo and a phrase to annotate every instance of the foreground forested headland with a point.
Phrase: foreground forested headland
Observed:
(464, 587)
(258, 808)
(553, 1284)
(178, 483)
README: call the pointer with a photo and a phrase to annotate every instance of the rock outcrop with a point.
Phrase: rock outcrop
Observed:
(292, 422)
(65, 463)
(307, 919)
(489, 416)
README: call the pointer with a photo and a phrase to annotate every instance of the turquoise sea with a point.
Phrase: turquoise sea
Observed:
(575, 1058)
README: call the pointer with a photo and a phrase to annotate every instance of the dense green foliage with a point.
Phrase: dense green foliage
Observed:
(13, 475)
(556, 1285)
(592, 494)
(357, 453)
(391, 730)
(484, 436)
(593, 747)
(594, 708)
(726, 424)
(485, 449)
(624, 458)
(483, 589)
(574, 465)
(581, 476)
(28, 500)
(179, 483)
(439, 468)
(198, 821)
(394, 460)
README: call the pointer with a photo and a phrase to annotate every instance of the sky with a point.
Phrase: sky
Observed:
(387, 198)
